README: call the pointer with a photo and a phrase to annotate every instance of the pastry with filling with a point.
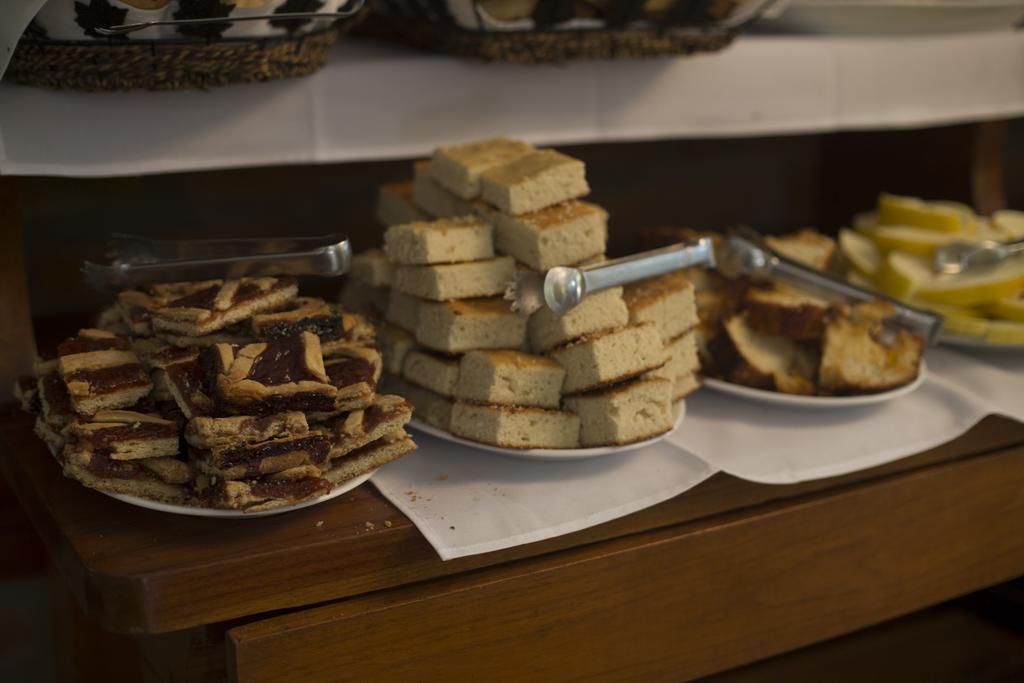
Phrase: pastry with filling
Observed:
(258, 495)
(368, 458)
(354, 373)
(136, 309)
(242, 460)
(457, 326)
(515, 426)
(301, 314)
(192, 381)
(458, 167)
(395, 204)
(161, 481)
(55, 405)
(101, 371)
(275, 376)
(445, 282)
(610, 357)
(446, 240)
(625, 413)
(356, 330)
(127, 435)
(510, 378)
(212, 305)
(533, 182)
(387, 414)
(237, 334)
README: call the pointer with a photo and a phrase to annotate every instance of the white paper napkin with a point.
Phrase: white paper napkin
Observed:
(783, 445)
(467, 501)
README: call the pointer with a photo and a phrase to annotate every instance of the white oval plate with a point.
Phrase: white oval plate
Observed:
(193, 511)
(815, 402)
(344, 487)
(966, 342)
(679, 411)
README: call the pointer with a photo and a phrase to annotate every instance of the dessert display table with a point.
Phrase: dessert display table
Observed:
(350, 589)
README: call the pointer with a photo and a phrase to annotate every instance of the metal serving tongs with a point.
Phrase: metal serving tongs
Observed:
(956, 257)
(563, 288)
(742, 254)
(137, 261)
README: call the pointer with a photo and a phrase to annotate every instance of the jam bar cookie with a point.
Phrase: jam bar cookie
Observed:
(101, 371)
(127, 435)
(215, 304)
(386, 414)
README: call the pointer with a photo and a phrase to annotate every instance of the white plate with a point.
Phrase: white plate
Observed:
(815, 402)
(679, 412)
(192, 511)
(967, 342)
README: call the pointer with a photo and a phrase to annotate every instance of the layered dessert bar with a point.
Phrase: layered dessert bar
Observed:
(457, 326)
(388, 448)
(274, 376)
(431, 408)
(394, 343)
(667, 301)
(404, 310)
(446, 240)
(456, 280)
(205, 307)
(354, 372)
(458, 167)
(515, 426)
(101, 371)
(136, 309)
(559, 235)
(510, 378)
(611, 356)
(128, 435)
(54, 401)
(625, 413)
(239, 333)
(437, 373)
(387, 414)
(395, 204)
(161, 479)
(356, 330)
(434, 199)
(191, 379)
(603, 310)
(535, 181)
(258, 446)
(302, 314)
(268, 493)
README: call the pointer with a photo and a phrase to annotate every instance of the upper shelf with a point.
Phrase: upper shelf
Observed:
(375, 102)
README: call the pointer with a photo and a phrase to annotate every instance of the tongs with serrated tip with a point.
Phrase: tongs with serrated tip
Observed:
(563, 288)
(743, 254)
(137, 261)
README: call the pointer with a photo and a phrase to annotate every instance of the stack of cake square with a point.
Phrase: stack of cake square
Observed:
(224, 393)
(606, 373)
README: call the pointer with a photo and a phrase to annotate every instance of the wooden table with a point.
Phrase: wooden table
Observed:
(728, 573)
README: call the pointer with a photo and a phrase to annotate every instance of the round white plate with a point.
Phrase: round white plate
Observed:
(192, 511)
(966, 342)
(815, 402)
(679, 412)
(343, 487)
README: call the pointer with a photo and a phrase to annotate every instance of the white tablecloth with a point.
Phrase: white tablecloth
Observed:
(468, 501)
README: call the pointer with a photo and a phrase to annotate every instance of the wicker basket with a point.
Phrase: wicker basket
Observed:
(619, 30)
(162, 65)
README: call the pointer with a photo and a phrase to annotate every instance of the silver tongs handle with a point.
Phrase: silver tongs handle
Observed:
(565, 286)
(647, 264)
(740, 256)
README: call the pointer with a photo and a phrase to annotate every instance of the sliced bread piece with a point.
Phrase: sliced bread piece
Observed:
(770, 362)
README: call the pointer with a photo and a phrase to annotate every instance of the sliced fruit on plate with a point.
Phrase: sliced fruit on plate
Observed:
(1009, 225)
(1010, 308)
(968, 219)
(1005, 332)
(958, 320)
(902, 274)
(897, 210)
(975, 288)
(860, 252)
(909, 239)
